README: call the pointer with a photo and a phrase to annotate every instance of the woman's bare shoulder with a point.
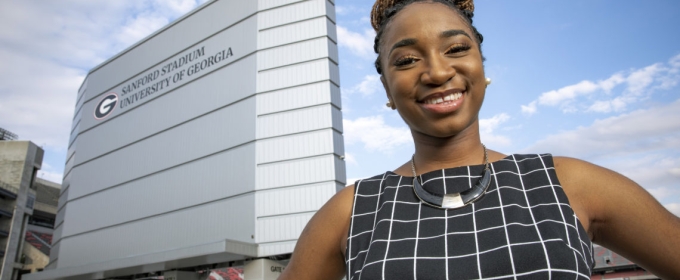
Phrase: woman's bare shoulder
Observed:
(319, 252)
(622, 216)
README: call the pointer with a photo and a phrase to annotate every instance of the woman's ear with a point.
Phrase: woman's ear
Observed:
(389, 103)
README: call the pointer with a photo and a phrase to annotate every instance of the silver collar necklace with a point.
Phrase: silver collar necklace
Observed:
(453, 200)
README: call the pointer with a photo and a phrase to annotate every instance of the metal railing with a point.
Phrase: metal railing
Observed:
(6, 135)
(8, 208)
(9, 188)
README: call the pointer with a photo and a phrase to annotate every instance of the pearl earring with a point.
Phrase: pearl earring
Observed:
(488, 81)
(389, 103)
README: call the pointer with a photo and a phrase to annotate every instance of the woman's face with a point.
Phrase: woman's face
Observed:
(432, 69)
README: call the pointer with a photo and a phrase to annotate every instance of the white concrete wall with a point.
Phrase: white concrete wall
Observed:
(245, 151)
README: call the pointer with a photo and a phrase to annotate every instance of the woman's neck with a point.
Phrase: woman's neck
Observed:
(433, 153)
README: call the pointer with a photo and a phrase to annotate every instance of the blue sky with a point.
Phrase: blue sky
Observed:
(595, 80)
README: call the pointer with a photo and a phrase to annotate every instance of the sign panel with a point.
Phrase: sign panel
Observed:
(187, 66)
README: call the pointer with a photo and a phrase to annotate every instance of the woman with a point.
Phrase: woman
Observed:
(458, 210)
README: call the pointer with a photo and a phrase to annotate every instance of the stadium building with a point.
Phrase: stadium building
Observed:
(19, 163)
(209, 144)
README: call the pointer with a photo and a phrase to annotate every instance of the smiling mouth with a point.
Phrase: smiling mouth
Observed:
(442, 98)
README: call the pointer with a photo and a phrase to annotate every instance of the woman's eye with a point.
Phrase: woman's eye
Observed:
(458, 48)
(403, 61)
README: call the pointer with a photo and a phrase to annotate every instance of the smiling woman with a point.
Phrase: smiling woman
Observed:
(457, 210)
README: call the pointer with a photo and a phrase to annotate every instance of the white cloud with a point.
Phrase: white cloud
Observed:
(349, 158)
(341, 10)
(487, 128)
(50, 48)
(675, 172)
(583, 96)
(641, 79)
(369, 85)
(375, 135)
(565, 94)
(55, 177)
(530, 108)
(617, 104)
(359, 44)
(613, 81)
(47, 172)
(37, 99)
(642, 145)
(351, 181)
(641, 130)
(673, 208)
(178, 7)
(138, 28)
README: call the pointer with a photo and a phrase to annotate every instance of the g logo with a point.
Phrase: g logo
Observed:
(106, 106)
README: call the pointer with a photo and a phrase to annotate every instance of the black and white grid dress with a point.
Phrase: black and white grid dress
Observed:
(523, 228)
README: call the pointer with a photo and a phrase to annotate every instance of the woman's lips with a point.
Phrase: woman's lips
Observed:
(443, 103)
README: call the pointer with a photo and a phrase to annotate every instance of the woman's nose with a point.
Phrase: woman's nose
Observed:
(439, 72)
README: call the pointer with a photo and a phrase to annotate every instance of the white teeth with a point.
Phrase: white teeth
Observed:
(450, 97)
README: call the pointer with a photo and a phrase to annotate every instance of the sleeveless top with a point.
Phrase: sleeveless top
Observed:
(523, 227)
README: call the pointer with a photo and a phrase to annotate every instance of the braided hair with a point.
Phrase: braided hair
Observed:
(384, 10)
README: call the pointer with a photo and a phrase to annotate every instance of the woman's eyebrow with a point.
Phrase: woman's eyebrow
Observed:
(403, 43)
(454, 32)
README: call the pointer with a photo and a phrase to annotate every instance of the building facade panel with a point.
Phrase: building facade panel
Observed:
(76, 123)
(294, 75)
(69, 165)
(62, 202)
(69, 154)
(163, 233)
(73, 136)
(66, 183)
(296, 121)
(56, 235)
(336, 98)
(80, 98)
(223, 129)
(296, 172)
(331, 31)
(215, 90)
(278, 248)
(294, 146)
(298, 199)
(187, 185)
(78, 113)
(269, 4)
(333, 51)
(59, 219)
(308, 50)
(340, 172)
(184, 32)
(294, 32)
(338, 144)
(298, 97)
(334, 71)
(336, 116)
(291, 13)
(330, 11)
(54, 252)
(281, 228)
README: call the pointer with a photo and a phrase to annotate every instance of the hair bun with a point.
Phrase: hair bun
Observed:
(378, 11)
(465, 5)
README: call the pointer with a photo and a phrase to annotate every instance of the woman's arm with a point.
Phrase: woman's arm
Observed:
(319, 251)
(622, 216)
